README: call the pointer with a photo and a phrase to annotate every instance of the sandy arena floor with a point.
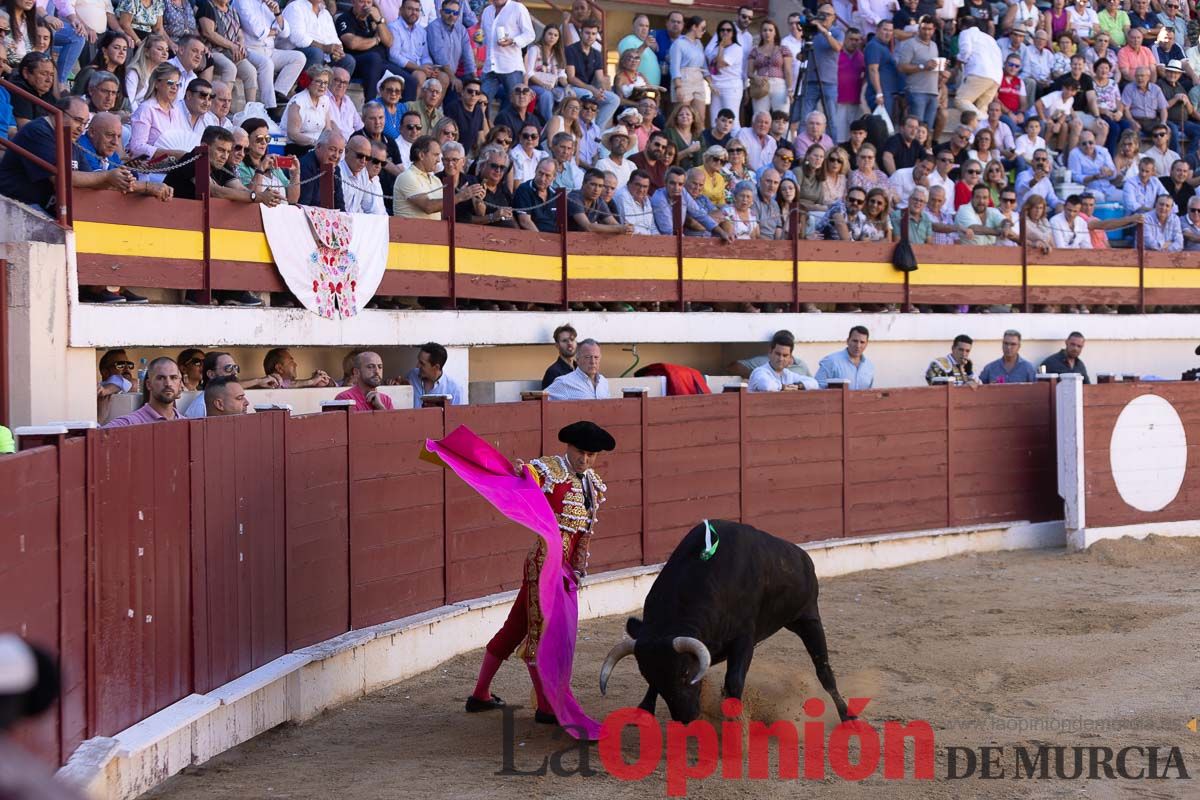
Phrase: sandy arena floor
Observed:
(999, 649)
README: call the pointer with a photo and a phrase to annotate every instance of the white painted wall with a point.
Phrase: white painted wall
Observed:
(47, 379)
(901, 345)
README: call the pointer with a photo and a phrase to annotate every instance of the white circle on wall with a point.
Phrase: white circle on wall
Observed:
(1148, 453)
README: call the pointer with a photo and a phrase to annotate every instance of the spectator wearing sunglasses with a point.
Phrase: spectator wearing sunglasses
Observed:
(218, 365)
(450, 46)
(469, 109)
(526, 155)
(411, 129)
(116, 374)
(191, 363)
(495, 207)
(363, 196)
(1191, 226)
(517, 114)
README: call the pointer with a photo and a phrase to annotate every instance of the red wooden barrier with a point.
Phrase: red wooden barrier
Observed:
(238, 548)
(396, 517)
(792, 464)
(318, 528)
(1002, 454)
(1102, 405)
(73, 470)
(142, 560)
(691, 469)
(29, 567)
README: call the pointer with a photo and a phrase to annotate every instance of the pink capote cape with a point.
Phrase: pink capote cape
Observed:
(521, 499)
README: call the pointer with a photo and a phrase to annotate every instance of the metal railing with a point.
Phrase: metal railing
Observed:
(62, 153)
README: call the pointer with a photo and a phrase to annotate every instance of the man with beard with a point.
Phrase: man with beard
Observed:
(224, 396)
(564, 340)
(164, 384)
(651, 160)
(366, 378)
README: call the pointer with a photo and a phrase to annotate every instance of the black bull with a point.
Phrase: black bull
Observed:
(700, 612)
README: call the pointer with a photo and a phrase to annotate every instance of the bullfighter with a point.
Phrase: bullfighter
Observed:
(575, 493)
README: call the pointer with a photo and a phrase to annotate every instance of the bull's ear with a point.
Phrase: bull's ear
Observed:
(633, 626)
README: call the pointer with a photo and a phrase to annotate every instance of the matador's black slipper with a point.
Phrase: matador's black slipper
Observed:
(545, 718)
(475, 705)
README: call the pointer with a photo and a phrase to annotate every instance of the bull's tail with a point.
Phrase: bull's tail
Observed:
(812, 633)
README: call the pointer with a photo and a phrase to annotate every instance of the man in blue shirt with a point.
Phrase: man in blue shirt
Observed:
(664, 38)
(884, 81)
(1011, 368)
(427, 376)
(450, 46)
(774, 376)
(822, 76)
(850, 364)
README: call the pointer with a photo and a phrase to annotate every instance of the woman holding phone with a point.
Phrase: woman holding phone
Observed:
(266, 171)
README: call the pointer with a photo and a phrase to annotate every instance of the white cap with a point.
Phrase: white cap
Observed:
(18, 667)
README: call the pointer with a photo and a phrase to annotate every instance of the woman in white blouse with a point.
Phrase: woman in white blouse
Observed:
(525, 153)
(155, 49)
(308, 112)
(725, 59)
(545, 70)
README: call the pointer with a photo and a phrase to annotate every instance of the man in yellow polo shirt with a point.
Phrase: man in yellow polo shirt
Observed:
(418, 191)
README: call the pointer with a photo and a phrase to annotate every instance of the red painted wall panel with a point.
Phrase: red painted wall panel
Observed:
(318, 528)
(142, 642)
(73, 580)
(240, 522)
(396, 516)
(29, 570)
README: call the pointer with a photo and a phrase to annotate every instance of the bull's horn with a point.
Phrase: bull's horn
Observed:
(686, 644)
(620, 650)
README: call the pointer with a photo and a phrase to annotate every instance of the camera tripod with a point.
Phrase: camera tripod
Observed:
(806, 59)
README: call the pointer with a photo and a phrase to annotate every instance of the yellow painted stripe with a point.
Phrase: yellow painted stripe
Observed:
(1161, 278)
(847, 272)
(419, 257)
(732, 269)
(111, 239)
(622, 268)
(507, 265)
(107, 238)
(966, 275)
(231, 245)
(1082, 277)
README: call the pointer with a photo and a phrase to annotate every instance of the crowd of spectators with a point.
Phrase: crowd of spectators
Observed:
(221, 388)
(936, 122)
(575, 374)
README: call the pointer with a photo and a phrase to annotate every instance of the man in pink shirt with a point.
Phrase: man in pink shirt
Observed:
(366, 376)
(851, 74)
(1134, 54)
(164, 384)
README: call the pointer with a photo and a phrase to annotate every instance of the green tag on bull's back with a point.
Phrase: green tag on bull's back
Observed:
(711, 541)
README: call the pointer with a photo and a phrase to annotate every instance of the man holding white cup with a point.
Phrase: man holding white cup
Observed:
(507, 30)
(917, 59)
